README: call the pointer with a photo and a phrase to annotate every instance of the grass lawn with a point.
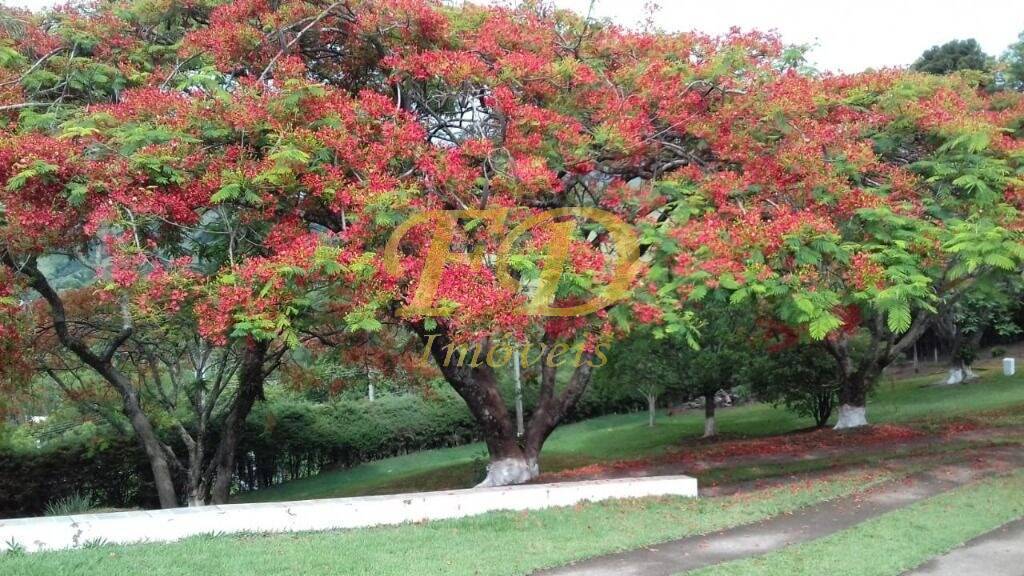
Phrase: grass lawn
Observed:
(628, 436)
(493, 544)
(895, 542)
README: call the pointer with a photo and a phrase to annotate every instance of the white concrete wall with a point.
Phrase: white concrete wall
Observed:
(58, 532)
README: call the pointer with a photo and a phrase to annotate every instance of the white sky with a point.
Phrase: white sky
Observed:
(849, 36)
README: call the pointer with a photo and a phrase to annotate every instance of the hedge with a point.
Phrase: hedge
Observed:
(292, 438)
(286, 437)
(115, 472)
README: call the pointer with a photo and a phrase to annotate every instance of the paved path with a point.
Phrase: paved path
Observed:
(774, 533)
(998, 553)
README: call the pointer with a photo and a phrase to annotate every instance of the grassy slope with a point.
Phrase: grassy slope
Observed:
(493, 544)
(896, 542)
(627, 436)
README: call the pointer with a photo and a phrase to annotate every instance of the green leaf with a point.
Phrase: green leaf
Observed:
(899, 317)
(227, 193)
(822, 325)
(728, 281)
(804, 304)
(36, 169)
(77, 192)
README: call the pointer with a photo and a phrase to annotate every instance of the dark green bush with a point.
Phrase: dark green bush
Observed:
(286, 437)
(290, 438)
(111, 473)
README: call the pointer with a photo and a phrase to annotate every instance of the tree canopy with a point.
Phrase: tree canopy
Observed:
(242, 166)
(953, 56)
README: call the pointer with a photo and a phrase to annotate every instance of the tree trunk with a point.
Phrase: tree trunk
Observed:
(859, 374)
(251, 378)
(710, 427)
(851, 416)
(959, 373)
(652, 408)
(823, 409)
(962, 349)
(512, 460)
(196, 489)
(853, 394)
(509, 463)
(103, 364)
(154, 449)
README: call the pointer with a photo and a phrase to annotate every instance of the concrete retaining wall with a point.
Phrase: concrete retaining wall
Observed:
(58, 532)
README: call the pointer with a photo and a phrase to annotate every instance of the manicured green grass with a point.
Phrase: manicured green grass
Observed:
(920, 400)
(628, 436)
(895, 542)
(607, 438)
(493, 544)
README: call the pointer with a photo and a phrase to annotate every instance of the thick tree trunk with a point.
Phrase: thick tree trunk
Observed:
(851, 416)
(959, 373)
(513, 460)
(963, 347)
(251, 378)
(509, 463)
(853, 395)
(858, 374)
(710, 427)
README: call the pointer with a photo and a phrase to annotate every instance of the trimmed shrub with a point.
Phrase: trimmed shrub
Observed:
(291, 437)
(111, 473)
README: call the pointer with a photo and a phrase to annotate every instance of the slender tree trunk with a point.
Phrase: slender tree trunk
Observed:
(197, 490)
(251, 378)
(153, 447)
(710, 427)
(823, 410)
(103, 363)
(652, 408)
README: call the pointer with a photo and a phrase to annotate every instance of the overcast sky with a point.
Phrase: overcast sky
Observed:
(849, 36)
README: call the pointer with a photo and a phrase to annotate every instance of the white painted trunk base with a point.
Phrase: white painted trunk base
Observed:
(959, 376)
(59, 532)
(851, 417)
(510, 472)
(710, 427)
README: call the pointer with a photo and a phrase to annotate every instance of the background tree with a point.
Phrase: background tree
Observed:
(858, 233)
(803, 377)
(962, 324)
(729, 344)
(953, 56)
(646, 365)
(1012, 64)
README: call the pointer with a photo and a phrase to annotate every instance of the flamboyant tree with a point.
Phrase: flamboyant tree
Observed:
(495, 178)
(857, 203)
(111, 156)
